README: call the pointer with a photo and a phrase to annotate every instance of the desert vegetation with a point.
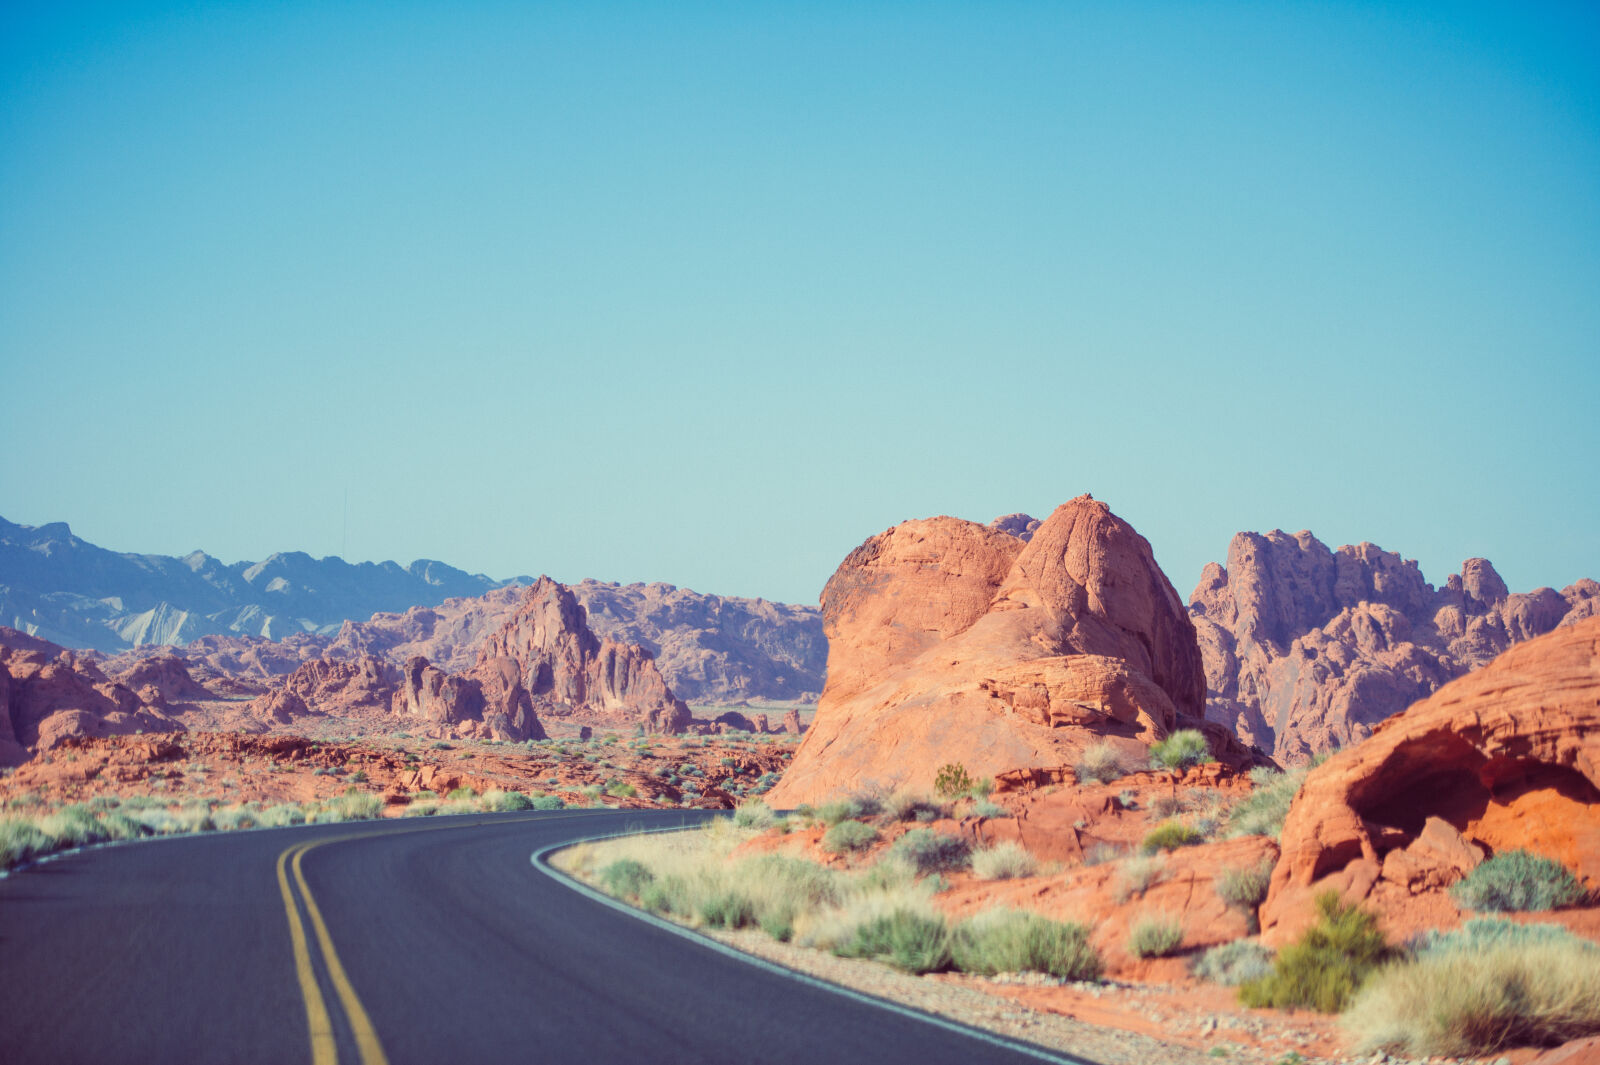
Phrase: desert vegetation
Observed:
(880, 908)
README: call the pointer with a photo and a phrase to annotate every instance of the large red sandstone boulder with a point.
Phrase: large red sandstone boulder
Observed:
(163, 681)
(1306, 649)
(1507, 757)
(953, 642)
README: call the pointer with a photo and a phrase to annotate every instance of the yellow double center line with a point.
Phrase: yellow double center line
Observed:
(324, 1051)
(324, 1048)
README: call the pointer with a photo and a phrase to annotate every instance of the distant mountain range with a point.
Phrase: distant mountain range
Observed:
(58, 587)
(62, 588)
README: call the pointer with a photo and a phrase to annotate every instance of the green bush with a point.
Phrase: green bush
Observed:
(952, 780)
(626, 878)
(849, 836)
(1169, 836)
(1478, 998)
(21, 841)
(462, 793)
(898, 808)
(1182, 749)
(1483, 932)
(506, 801)
(1327, 965)
(351, 806)
(1101, 763)
(729, 908)
(1012, 941)
(932, 852)
(914, 942)
(1234, 963)
(546, 802)
(1244, 887)
(754, 814)
(621, 789)
(836, 810)
(1154, 937)
(1518, 880)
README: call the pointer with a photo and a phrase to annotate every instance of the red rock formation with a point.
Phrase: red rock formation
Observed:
(1506, 757)
(48, 694)
(1307, 649)
(568, 671)
(953, 642)
(162, 681)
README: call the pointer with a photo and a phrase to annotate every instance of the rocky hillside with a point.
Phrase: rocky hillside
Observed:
(954, 642)
(243, 626)
(61, 588)
(1306, 648)
(713, 648)
(542, 660)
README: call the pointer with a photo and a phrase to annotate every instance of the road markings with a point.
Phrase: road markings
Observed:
(366, 1036)
(324, 1048)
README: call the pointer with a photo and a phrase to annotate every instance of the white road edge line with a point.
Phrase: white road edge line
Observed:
(540, 862)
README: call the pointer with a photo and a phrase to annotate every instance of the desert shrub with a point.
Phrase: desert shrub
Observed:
(953, 780)
(849, 836)
(1235, 963)
(621, 789)
(836, 810)
(230, 818)
(119, 825)
(1518, 880)
(1182, 749)
(1480, 933)
(908, 940)
(781, 888)
(1325, 967)
(351, 806)
(1244, 887)
(72, 826)
(506, 801)
(21, 841)
(1136, 875)
(1003, 861)
(459, 794)
(1169, 836)
(1101, 763)
(1261, 813)
(1165, 805)
(1100, 853)
(626, 878)
(932, 852)
(359, 776)
(281, 815)
(1154, 937)
(1479, 998)
(754, 814)
(898, 808)
(985, 808)
(1012, 941)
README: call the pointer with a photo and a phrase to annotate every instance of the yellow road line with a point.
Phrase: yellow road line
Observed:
(323, 1050)
(360, 1024)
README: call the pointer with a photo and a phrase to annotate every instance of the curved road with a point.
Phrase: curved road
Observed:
(428, 941)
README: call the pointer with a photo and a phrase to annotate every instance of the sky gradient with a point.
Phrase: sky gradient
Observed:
(710, 294)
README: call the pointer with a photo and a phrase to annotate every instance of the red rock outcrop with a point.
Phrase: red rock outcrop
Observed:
(1506, 757)
(950, 641)
(1307, 649)
(163, 681)
(48, 693)
(570, 672)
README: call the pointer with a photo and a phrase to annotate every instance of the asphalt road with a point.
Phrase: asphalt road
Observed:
(429, 941)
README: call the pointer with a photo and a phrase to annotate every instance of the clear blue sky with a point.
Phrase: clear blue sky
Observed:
(710, 294)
